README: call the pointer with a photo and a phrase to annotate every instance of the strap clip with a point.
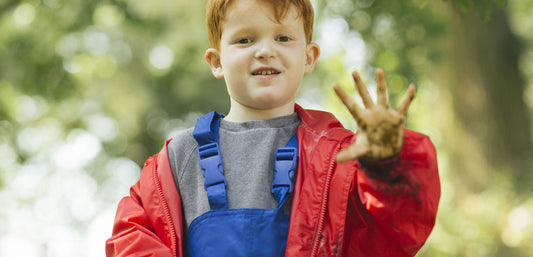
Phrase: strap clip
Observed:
(211, 163)
(285, 168)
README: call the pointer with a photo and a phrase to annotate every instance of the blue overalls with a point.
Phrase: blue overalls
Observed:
(239, 232)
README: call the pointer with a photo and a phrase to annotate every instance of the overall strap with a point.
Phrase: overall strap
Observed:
(285, 165)
(206, 134)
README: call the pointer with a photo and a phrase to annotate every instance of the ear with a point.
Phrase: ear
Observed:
(312, 52)
(212, 56)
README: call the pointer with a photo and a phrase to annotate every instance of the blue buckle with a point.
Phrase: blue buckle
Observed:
(285, 167)
(211, 163)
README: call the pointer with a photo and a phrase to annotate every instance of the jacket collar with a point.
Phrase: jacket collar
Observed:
(321, 123)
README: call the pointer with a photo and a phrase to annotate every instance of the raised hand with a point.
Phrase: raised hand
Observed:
(381, 128)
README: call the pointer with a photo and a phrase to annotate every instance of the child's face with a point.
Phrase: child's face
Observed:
(261, 60)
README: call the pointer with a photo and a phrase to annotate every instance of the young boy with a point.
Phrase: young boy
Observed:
(233, 186)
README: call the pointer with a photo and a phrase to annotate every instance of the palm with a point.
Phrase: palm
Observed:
(380, 127)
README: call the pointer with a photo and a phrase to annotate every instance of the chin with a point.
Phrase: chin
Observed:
(269, 103)
(273, 99)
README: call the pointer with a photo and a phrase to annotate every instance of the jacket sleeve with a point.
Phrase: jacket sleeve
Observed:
(139, 228)
(394, 201)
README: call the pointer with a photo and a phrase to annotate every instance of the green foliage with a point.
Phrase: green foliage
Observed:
(99, 50)
(483, 7)
(400, 36)
(86, 87)
(408, 39)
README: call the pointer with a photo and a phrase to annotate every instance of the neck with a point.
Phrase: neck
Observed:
(242, 113)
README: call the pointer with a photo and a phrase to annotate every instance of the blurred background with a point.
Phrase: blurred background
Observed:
(90, 89)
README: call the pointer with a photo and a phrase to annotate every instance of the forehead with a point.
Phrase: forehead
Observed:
(246, 14)
(243, 8)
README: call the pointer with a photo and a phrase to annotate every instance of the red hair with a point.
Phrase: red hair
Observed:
(216, 12)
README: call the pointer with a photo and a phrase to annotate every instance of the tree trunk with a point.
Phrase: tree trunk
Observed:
(490, 131)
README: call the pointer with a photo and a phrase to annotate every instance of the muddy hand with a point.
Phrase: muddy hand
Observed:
(380, 127)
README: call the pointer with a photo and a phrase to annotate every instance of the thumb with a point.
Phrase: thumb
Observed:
(354, 151)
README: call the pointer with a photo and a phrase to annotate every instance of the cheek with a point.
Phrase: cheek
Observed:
(298, 59)
(298, 65)
(236, 62)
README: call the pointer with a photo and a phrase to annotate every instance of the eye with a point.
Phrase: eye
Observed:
(284, 39)
(244, 41)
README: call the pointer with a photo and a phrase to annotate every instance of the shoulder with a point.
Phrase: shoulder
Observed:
(181, 149)
(323, 124)
(183, 142)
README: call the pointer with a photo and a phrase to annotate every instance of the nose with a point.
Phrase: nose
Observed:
(265, 50)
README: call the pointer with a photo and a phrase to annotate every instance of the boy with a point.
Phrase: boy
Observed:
(326, 193)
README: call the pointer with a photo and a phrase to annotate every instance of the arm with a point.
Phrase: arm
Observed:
(398, 199)
(394, 203)
(141, 226)
(133, 233)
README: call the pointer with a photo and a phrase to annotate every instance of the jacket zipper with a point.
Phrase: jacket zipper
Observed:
(323, 206)
(166, 211)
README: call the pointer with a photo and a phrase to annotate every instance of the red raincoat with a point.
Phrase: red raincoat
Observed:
(386, 208)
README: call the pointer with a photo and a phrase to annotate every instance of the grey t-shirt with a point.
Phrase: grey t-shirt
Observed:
(248, 151)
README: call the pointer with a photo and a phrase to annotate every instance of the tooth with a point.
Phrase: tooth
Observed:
(265, 72)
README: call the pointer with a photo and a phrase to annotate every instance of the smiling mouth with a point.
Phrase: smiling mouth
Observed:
(266, 72)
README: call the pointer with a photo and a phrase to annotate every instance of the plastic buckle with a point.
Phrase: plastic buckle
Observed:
(211, 163)
(285, 167)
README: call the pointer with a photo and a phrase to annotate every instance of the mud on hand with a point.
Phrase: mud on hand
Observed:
(381, 128)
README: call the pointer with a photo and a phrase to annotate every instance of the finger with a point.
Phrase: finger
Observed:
(407, 99)
(363, 91)
(382, 88)
(351, 153)
(348, 101)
